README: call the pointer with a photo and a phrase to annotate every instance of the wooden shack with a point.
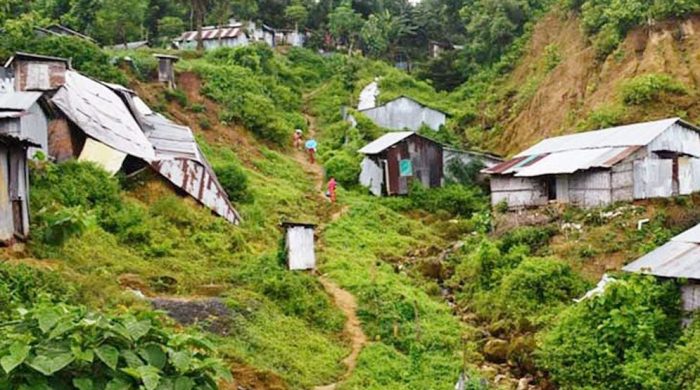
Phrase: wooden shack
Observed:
(396, 159)
(14, 179)
(300, 245)
(34, 72)
(166, 69)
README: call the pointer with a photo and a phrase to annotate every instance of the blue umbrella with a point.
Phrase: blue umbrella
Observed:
(311, 144)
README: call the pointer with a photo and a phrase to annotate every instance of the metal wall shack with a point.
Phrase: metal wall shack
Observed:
(300, 245)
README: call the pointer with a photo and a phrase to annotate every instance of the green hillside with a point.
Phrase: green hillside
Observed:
(410, 292)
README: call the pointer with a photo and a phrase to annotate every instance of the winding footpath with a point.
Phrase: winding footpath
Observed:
(342, 299)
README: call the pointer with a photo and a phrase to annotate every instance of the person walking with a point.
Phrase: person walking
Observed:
(311, 146)
(331, 189)
(298, 139)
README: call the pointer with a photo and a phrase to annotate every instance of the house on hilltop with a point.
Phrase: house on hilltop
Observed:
(625, 163)
(405, 113)
(395, 159)
(232, 35)
(677, 259)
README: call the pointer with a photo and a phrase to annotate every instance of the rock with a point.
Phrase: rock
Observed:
(488, 372)
(496, 350)
(431, 269)
(212, 312)
(499, 328)
(524, 383)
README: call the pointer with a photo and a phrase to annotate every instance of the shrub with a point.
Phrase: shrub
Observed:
(538, 286)
(535, 238)
(452, 198)
(61, 346)
(234, 180)
(594, 342)
(345, 167)
(648, 87)
(21, 286)
(176, 95)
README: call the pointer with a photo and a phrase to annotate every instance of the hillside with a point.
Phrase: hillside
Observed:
(561, 86)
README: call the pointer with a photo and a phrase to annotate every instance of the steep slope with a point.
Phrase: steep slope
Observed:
(559, 86)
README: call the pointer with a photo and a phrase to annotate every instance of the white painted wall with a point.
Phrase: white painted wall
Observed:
(301, 254)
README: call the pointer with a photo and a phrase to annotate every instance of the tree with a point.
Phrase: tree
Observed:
(197, 10)
(296, 13)
(170, 26)
(244, 9)
(120, 20)
(344, 24)
(383, 32)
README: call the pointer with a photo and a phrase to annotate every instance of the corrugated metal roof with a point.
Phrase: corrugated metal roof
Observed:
(569, 161)
(101, 114)
(638, 134)
(11, 114)
(679, 258)
(18, 101)
(385, 141)
(179, 159)
(211, 32)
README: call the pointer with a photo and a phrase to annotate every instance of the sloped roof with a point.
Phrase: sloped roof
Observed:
(429, 106)
(213, 32)
(593, 149)
(35, 57)
(679, 258)
(385, 141)
(18, 101)
(638, 134)
(102, 115)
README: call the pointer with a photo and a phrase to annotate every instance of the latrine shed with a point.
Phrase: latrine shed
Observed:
(166, 69)
(300, 245)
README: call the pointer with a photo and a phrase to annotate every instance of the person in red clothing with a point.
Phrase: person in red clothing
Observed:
(331, 189)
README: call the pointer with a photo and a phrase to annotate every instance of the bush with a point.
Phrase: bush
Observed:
(535, 238)
(595, 342)
(176, 95)
(61, 346)
(234, 180)
(345, 167)
(648, 87)
(537, 286)
(21, 286)
(452, 198)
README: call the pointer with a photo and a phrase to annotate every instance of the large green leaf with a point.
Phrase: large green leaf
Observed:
(153, 354)
(108, 354)
(118, 384)
(132, 359)
(83, 383)
(51, 363)
(47, 318)
(18, 353)
(149, 377)
(181, 360)
(184, 383)
(138, 329)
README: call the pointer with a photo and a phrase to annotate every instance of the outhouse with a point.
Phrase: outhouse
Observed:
(166, 69)
(300, 245)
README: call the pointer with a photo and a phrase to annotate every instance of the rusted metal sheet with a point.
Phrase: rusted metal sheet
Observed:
(178, 158)
(101, 114)
(198, 180)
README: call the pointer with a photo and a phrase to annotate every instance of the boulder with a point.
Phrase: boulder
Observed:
(496, 350)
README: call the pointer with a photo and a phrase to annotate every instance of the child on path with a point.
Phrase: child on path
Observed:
(311, 146)
(297, 139)
(331, 189)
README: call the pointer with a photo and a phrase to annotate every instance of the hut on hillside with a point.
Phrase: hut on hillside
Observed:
(394, 160)
(31, 122)
(14, 174)
(625, 163)
(405, 113)
(60, 30)
(231, 35)
(32, 72)
(166, 69)
(678, 259)
(299, 245)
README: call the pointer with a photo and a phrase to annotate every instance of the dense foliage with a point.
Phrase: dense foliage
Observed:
(59, 346)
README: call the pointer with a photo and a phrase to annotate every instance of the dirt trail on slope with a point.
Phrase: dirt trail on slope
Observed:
(342, 299)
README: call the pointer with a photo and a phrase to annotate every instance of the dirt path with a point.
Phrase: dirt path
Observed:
(342, 299)
(353, 329)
